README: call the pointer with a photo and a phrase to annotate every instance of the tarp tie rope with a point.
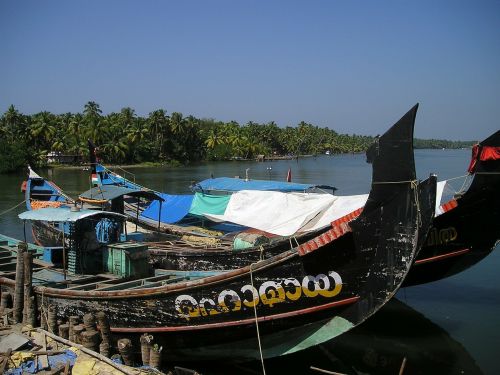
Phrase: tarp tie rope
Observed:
(394, 182)
(43, 311)
(257, 324)
(450, 188)
(297, 244)
(12, 208)
(464, 184)
(414, 186)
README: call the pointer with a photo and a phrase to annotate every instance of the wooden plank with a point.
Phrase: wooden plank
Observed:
(41, 340)
(6, 358)
(13, 341)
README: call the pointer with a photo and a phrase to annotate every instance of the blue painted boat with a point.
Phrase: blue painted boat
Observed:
(176, 212)
(228, 185)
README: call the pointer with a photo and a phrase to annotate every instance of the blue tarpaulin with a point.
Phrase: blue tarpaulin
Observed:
(173, 209)
(55, 361)
(236, 184)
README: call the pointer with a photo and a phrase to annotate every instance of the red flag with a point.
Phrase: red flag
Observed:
(289, 175)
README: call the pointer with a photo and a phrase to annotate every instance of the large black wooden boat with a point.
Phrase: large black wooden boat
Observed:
(288, 302)
(467, 228)
(464, 231)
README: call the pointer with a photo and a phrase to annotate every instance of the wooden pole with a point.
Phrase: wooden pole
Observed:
(403, 365)
(52, 319)
(159, 216)
(64, 253)
(73, 322)
(29, 306)
(126, 351)
(19, 285)
(137, 212)
(326, 371)
(5, 301)
(104, 327)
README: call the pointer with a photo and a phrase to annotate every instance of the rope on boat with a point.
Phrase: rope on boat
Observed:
(394, 182)
(467, 178)
(462, 188)
(414, 186)
(44, 312)
(12, 208)
(292, 246)
(257, 324)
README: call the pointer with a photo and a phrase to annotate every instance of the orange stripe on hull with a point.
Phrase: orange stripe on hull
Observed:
(442, 256)
(238, 322)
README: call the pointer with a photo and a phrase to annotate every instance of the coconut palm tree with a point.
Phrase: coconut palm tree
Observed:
(115, 151)
(177, 123)
(92, 110)
(42, 129)
(159, 126)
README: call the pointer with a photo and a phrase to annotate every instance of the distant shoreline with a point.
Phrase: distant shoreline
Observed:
(178, 164)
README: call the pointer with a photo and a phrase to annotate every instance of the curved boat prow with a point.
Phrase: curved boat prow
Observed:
(392, 157)
(465, 229)
(485, 163)
(395, 202)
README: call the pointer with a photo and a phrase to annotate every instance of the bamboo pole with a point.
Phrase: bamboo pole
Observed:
(29, 305)
(326, 371)
(19, 286)
(403, 365)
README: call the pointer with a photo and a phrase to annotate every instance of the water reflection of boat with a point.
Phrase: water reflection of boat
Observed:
(398, 332)
(378, 346)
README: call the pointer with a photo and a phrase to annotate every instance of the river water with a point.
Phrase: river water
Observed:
(451, 326)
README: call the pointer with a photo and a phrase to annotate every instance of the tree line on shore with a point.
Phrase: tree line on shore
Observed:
(126, 138)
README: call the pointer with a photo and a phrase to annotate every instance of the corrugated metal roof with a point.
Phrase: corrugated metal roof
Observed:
(64, 214)
(109, 192)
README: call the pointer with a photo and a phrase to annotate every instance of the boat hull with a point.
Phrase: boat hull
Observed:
(298, 298)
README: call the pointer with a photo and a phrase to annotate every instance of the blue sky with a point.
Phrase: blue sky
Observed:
(353, 66)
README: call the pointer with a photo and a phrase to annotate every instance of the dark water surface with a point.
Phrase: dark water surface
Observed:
(450, 326)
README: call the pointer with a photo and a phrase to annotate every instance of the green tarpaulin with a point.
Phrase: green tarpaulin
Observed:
(209, 204)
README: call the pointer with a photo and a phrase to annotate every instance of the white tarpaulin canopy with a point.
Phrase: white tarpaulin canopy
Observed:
(285, 214)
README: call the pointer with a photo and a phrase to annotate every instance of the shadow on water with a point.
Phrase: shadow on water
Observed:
(378, 346)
